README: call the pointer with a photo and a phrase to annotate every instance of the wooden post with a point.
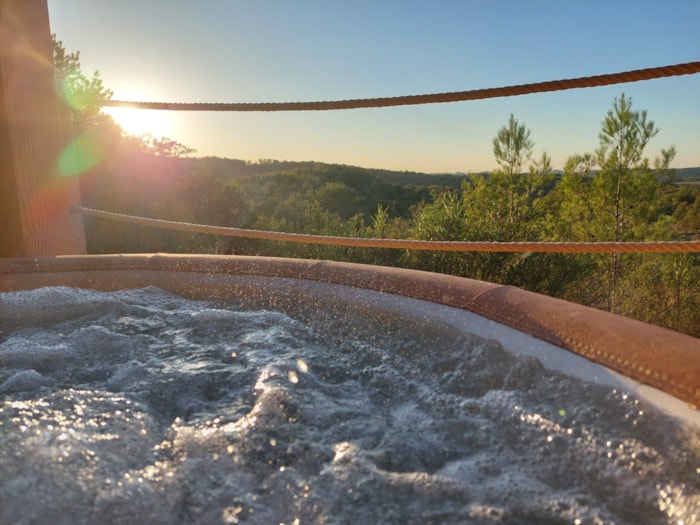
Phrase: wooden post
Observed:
(35, 200)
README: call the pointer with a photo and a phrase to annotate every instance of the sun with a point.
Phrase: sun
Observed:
(142, 121)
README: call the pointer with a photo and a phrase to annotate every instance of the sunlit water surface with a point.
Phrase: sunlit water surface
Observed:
(142, 407)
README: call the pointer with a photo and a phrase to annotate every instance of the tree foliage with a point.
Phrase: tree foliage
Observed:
(512, 146)
(77, 90)
(81, 95)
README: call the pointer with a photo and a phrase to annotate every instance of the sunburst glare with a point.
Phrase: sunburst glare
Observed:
(142, 121)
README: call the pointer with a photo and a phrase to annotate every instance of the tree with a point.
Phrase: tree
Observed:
(624, 170)
(88, 134)
(440, 220)
(338, 197)
(499, 206)
(165, 147)
(512, 146)
(78, 91)
(542, 166)
(82, 95)
(624, 190)
(512, 192)
(686, 212)
(502, 205)
(619, 202)
(569, 215)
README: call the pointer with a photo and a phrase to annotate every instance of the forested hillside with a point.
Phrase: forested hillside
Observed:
(619, 192)
(349, 201)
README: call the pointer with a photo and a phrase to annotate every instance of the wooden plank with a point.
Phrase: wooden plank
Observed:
(35, 201)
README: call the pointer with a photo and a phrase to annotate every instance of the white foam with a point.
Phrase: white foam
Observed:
(145, 407)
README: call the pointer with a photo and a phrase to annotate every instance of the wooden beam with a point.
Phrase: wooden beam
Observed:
(35, 200)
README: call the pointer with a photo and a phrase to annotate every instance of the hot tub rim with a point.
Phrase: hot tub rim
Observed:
(655, 356)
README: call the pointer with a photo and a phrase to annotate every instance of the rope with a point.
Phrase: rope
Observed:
(445, 246)
(459, 96)
(637, 75)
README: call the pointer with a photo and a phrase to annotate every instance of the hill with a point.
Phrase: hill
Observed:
(224, 167)
(688, 174)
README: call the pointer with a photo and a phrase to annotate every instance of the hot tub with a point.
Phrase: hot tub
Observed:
(396, 396)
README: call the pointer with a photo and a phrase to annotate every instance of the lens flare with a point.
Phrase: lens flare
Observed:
(81, 155)
(69, 93)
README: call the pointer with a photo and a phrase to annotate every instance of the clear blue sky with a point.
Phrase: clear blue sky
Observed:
(304, 50)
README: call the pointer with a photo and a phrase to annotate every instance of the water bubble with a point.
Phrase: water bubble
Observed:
(302, 366)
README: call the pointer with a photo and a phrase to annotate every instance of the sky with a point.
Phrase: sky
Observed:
(308, 50)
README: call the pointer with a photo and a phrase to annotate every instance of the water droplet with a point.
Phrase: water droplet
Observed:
(302, 366)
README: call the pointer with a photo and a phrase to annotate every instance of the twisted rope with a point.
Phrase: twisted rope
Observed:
(637, 75)
(445, 246)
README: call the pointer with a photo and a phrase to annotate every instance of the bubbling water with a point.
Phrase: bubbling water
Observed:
(139, 406)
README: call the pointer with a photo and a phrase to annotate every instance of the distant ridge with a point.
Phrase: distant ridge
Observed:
(225, 167)
(688, 174)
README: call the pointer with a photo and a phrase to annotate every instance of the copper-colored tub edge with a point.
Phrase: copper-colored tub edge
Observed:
(661, 358)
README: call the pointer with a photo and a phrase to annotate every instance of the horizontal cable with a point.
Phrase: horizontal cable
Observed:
(688, 68)
(445, 246)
